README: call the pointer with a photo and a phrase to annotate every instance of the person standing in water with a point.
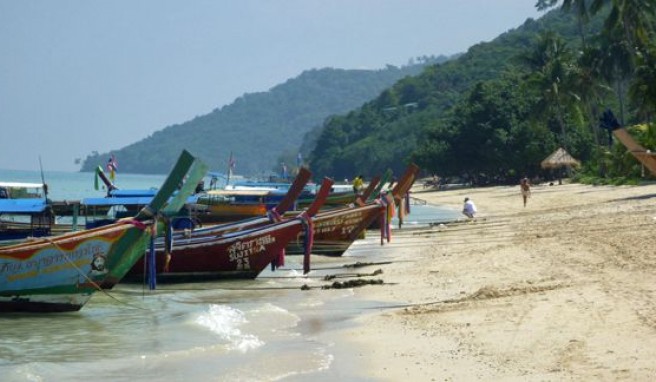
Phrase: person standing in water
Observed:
(525, 188)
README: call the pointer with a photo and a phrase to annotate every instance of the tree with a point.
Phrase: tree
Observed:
(550, 65)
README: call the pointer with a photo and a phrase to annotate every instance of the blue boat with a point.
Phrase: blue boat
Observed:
(24, 211)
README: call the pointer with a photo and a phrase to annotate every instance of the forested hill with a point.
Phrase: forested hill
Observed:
(387, 131)
(259, 127)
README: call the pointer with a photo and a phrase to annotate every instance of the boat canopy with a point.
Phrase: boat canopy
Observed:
(22, 206)
(20, 190)
(246, 192)
(132, 193)
(125, 201)
(21, 185)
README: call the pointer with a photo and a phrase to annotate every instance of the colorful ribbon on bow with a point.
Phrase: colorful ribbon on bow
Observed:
(308, 241)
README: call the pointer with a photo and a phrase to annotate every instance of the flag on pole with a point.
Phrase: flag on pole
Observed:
(112, 167)
(232, 162)
(231, 167)
(283, 171)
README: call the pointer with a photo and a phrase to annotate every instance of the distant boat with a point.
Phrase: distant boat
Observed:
(61, 273)
(24, 211)
(242, 200)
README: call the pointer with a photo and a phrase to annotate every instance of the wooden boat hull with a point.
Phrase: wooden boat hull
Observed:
(62, 273)
(242, 254)
(229, 212)
(337, 199)
(335, 231)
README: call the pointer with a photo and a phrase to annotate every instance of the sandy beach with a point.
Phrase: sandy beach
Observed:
(562, 289)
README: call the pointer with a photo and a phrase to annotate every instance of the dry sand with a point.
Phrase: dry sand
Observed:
(563, 289)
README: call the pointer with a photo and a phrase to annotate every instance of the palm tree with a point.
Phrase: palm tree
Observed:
(551, 64)
(616, 64)
(642, 90)
(632, 17)
(581, 7)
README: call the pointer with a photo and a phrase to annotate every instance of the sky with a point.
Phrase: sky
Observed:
(84, 75)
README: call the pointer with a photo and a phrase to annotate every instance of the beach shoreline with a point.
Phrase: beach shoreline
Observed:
(560, 289)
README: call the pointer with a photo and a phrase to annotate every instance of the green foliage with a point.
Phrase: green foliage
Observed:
(615, 165)
(436, 118)
(488, 135)
(258, 128)
(502, 107)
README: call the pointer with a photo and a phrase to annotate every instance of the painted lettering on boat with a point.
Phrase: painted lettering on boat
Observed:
(345, 223)
(52, 260)
(240, 251)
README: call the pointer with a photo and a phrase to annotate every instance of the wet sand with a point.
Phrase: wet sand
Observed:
(562, 289)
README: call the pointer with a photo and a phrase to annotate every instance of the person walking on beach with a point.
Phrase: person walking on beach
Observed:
(469, 209)
(525, 187)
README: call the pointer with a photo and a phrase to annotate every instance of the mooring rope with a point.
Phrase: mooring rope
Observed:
(86, 277)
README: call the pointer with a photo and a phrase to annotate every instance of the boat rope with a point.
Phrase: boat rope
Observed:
(138, 225)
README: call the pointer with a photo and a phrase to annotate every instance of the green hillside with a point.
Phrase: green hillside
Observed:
(259, 128)
(495, 112)
(386, 131)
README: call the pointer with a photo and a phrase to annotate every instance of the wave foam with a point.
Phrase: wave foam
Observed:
(224, 321)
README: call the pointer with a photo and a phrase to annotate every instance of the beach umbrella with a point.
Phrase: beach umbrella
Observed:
(559, 159)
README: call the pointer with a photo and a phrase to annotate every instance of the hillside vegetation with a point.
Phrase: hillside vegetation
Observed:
(494, 113)
(259, 128)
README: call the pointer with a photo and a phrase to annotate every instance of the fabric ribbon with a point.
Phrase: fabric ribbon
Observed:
(407, 203)
(274, 215)
(168, 245)
(138, 224)
(386, 216)
(308, 241)
(152, 265)
(96, 184)
(279, 260)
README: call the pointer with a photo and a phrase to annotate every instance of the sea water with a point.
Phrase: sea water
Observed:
(266, 329)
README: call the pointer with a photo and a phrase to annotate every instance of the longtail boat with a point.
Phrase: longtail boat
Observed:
(229, 251)
(335, 199)
(335, 230)
(226, 206)
(61, 273)
(24, 212)
(272, 215)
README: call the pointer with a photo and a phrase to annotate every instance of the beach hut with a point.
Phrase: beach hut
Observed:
(558, 160)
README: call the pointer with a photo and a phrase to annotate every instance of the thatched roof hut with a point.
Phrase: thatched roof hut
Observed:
(559, 159)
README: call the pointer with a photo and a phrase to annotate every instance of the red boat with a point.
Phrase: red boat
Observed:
(240, 250)
(335, 230)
